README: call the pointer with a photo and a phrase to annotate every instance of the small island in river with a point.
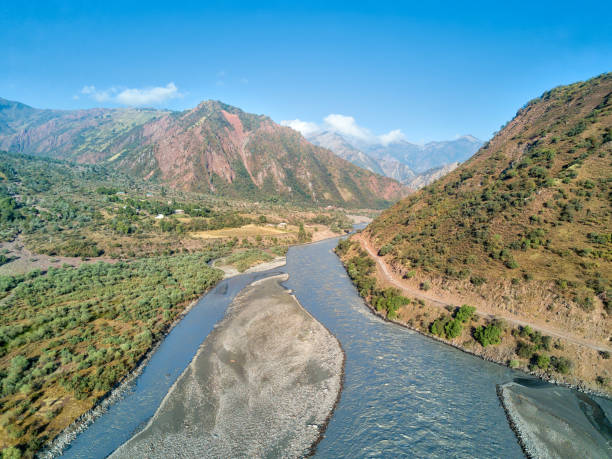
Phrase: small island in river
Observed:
(264, 383)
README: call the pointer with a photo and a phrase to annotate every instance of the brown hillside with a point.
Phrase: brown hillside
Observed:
(524, 226)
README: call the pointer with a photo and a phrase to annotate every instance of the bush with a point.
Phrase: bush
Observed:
(453, 328)
(542, 361)
(437, 326)
(385, 249)
(11, 453)
(525, 350)
(561, 364)
(425, 285)
(476, 280)
(465, 313)
(489, 335)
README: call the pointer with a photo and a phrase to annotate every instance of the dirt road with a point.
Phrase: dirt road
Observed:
(396, 281)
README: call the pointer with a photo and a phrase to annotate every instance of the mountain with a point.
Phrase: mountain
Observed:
(522, 227)
(341, 147)
(212, 148)
(432, 155)
(412, 165)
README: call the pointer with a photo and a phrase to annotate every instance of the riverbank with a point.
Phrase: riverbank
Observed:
(230, 271)
(547, 429)
(263, 383)
(421, 311)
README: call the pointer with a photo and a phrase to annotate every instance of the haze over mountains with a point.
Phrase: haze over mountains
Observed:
(212, 148)
(390, 154)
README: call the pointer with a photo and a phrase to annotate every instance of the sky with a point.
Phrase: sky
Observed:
(390, 70)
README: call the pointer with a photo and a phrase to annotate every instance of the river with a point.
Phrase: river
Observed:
(404, 394)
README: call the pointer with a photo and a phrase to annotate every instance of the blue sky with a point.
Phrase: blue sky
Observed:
(432, 70)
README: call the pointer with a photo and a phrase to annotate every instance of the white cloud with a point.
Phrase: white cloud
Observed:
(133, 96)
(97, 94)
(303, 127)
(346, 125)
(393, 136)
(148, 96)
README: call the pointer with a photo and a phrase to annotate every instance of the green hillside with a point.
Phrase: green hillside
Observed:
(530, 211)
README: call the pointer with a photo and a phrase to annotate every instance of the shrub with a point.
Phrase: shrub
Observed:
(425, 285)
(542, 361)
(11, 453)
(465, 313)
(525, 350)
(489, 335)
(561, 364)
(514, 363)
(437, 326)
(453, 328)
(476, 280)
(385, 249)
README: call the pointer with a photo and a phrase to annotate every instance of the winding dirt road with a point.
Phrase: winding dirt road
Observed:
(394, 280)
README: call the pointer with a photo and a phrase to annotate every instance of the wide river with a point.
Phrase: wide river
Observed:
(404, 394)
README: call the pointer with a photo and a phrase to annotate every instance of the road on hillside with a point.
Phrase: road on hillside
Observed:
(393, 279)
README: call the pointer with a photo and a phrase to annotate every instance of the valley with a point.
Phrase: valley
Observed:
(518, 235)
(504, 256)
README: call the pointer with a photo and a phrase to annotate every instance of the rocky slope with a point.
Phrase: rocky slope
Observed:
(212, 148)
(432, 155)
(400, 160)
(523, 227)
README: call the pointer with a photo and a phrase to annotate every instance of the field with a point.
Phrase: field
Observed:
(249, 230)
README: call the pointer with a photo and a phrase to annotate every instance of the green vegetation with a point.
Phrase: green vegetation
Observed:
(451, 327)
(71, 334)
(360, 269)
(488, 335)
(534, 203)
(247, 258)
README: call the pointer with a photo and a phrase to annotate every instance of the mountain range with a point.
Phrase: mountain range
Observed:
(410, 164)
(213, 147)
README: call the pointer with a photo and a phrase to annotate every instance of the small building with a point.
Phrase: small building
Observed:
(159, 216)
(282, 225)
(179, 211)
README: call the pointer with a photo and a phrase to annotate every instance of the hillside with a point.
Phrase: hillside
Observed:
(213, 147)
(522, 229)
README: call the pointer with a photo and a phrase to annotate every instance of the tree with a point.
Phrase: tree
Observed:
(465, 313)
(491, 334)
(453, 328)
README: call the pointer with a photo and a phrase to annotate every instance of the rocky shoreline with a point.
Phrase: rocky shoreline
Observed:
(504, 363)
(264, 383)
(546, 429)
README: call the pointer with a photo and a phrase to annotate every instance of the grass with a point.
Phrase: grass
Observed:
(249, 230)
(245, 259)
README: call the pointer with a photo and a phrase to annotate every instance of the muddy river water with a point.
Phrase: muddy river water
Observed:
(404, 394)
